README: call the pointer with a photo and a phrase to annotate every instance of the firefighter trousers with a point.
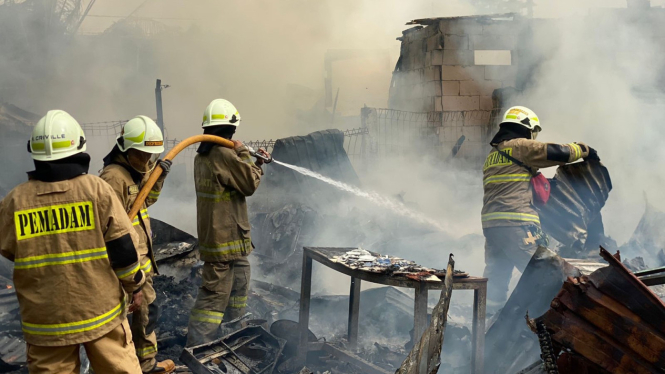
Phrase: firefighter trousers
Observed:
(113, 353)
(507, 247)
(222, 297)
(143, 323)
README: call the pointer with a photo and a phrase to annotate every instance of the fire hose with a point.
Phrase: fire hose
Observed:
(143, 194)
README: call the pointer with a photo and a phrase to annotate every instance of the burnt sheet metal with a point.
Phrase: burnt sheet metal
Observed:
(279, 237)
(648, 239)
(425, 357)
(8, 300)
(572, 214)
(607, 322)
(251, 346)
(168, 241)
(509, 345)
(652, 277)
(322, 152)
(12, 352)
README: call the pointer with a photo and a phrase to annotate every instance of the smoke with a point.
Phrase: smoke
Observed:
(595, 82)
(599, 83)
(596, 79)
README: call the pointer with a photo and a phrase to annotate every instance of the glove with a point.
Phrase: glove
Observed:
(166, 166)
(593, 155)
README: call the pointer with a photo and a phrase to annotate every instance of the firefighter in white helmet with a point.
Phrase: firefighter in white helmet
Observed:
(510, 223)
(224, 178)
(126, 168)
(74, 256)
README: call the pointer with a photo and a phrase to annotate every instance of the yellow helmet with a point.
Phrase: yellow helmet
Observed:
(56, 136)
(221, 112)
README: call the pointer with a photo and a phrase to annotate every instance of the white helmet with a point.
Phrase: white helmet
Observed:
(523, 116)
(220, 112)
(56, 136)
(143, 134)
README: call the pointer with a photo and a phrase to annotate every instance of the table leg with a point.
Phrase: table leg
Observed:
(303, 318)
(478, 329)
(354, 311)
(420, 312)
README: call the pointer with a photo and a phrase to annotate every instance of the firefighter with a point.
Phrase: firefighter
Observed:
(126, 168)
(510, 223)
(224, 178)
(74, 257)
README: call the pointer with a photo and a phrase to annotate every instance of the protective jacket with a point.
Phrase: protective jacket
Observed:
(127, 183)
(223, 178)
(73, 251)
(508, 198)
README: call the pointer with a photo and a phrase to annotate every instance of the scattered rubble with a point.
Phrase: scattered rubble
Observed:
(248, 350)
(509, 345)
(390, 265)
(12, 352)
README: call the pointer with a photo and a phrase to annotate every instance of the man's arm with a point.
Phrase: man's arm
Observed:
(118, 186)
(156, 190)
(235, 168)
(542, 155)
(120, 238)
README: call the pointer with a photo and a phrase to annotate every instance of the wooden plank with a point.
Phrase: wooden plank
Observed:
(425, 357)
(597, 347)
(653, 279)
(614, 319)
(354, 312)
(619, 283)
(349, 357)
(305, 298)
(478, 330)
(420, 312)
(649, 272)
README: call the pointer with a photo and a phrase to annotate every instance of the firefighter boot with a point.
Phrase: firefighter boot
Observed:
(166, 366)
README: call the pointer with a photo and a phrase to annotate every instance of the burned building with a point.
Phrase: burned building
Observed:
(453, 67)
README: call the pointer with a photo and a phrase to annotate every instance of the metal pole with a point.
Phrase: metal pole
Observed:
(158, 101)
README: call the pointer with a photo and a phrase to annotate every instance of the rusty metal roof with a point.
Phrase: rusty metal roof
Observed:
(482, 17)
(608, 321)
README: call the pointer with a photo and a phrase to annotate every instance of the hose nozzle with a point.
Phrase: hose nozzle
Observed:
(258, 155)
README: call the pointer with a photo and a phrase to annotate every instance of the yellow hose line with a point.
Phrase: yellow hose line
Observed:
(143, 194)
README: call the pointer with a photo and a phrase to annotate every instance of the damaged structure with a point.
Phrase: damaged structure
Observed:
(570, 311)
(457, 67)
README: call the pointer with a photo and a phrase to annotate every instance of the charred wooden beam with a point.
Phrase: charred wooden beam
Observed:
(608, 322)
(425, 357)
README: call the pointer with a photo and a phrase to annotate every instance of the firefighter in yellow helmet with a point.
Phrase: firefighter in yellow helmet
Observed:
(224, 178)
(126, 168)
(510, 223)
(74, 255)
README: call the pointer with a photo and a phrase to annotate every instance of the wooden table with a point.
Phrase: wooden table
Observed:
(325, 255)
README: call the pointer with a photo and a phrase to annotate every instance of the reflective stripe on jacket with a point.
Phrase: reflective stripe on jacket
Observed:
(62, 237)
(508, 193)
(223, 178)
